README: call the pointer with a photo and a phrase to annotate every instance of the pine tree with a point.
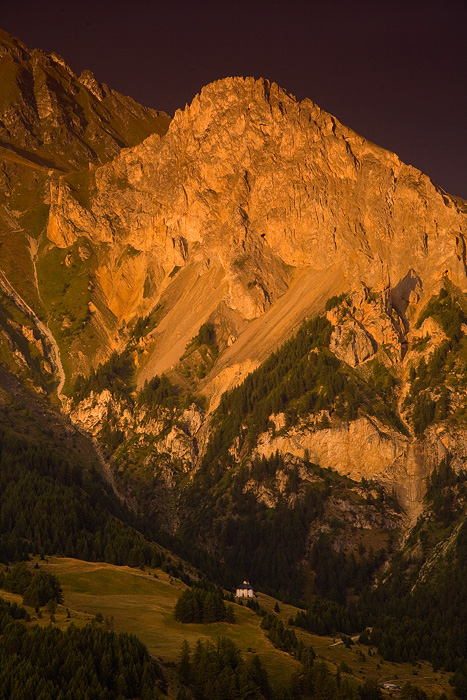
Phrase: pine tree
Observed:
(184, 667)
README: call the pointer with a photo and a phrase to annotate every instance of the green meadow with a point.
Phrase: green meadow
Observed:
(142, 602)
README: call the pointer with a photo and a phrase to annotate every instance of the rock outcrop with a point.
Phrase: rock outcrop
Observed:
(248, 192)
(167, 439)
(362, 449)
(52, 121)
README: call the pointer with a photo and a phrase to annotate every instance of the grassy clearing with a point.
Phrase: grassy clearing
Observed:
(64, 278)
(143, 604)
(63, 615)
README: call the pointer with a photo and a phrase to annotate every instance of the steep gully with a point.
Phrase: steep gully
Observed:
(43, 329)
(51, 343)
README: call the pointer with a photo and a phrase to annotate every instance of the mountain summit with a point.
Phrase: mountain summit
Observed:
(230, 302)
(254, 209)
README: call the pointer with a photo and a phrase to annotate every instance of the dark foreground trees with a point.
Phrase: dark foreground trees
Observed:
(38, 663)
(219, 671)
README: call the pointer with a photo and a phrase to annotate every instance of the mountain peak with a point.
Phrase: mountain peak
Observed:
(59, 120)
(233, 93)
(186, 255)
(11, 45)
(87, 78)
(254, 205)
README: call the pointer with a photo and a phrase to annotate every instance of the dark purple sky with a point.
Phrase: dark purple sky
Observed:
(396, 72)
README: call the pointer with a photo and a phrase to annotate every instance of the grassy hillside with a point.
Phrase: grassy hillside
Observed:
(142, 603)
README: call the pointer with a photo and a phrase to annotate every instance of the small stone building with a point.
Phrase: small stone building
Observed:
(245, 591)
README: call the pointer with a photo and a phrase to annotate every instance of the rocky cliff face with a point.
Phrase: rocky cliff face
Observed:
(249, 194)
(52, 121)
(366, 449)
(163, 443)
(248, 213)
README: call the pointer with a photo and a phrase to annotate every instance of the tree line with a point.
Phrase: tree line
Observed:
(44, 663)
(49, 505)
(301, 378)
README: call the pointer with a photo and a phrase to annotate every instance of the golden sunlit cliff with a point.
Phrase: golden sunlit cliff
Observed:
(246, 216)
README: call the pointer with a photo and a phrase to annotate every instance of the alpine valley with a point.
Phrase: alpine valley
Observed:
(233, 344)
